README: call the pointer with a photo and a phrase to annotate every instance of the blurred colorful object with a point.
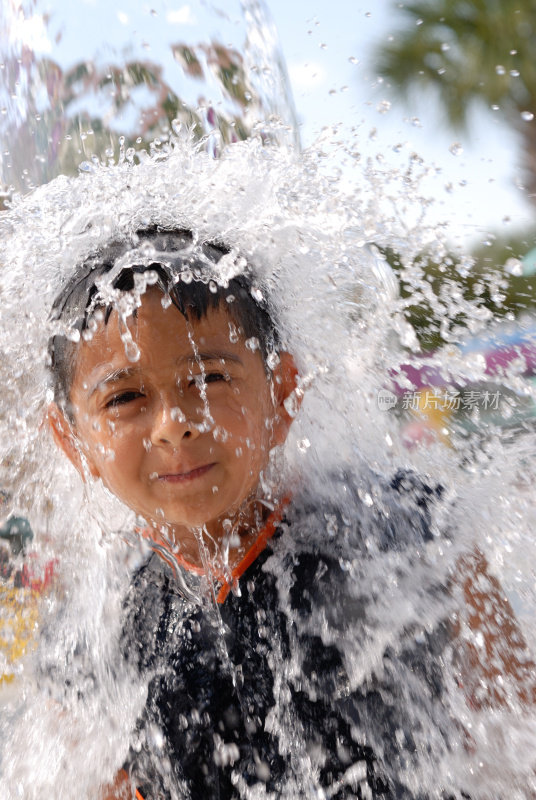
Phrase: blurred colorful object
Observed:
(22, 584)
(489, 382)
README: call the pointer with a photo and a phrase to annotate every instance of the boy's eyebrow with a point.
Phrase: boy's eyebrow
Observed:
(128, 372)
(113, 377)
(219, 355)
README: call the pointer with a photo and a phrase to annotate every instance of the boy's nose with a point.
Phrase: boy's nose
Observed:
(172, 426)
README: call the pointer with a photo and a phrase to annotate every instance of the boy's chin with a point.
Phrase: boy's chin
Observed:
(187, 527)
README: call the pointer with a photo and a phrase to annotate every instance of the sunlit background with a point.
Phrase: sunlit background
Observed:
(333, 49)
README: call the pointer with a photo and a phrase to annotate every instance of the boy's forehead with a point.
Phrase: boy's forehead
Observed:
(158, 316)
(158, 330)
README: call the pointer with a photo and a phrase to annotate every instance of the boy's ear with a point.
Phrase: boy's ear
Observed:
(64, 434)
(285, 383)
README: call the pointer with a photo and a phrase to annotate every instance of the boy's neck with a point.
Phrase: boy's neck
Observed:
(221, 545)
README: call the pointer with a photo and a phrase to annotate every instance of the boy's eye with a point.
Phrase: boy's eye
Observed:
(208, 377)
(213, 377)
(122, 398)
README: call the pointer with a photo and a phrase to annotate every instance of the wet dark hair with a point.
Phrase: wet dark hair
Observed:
(183, 270)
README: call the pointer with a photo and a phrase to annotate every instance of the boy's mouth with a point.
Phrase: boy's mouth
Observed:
(183, 477)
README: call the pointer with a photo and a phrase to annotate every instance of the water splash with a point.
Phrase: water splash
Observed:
(311, 243)
(70, 98)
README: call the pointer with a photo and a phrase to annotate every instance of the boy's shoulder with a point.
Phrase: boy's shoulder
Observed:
(346, 564)
(365, 512)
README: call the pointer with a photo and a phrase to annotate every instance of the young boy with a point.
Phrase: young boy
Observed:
(242, 621)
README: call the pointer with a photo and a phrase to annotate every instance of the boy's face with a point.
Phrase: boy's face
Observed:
(182, 434)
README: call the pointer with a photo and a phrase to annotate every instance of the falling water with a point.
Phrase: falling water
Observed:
(69, 705)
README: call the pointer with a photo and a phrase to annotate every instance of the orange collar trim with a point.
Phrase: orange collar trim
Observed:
(162, 550)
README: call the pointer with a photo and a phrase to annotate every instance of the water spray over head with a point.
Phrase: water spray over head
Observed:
(194, 277)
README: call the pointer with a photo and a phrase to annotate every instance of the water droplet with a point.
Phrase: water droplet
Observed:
(500, 70)
(132, 351)
(353, 60)
(177, 415)
(220, 434)
(383, 107)
(272, 360)
(514, 73)
(257, 294)
(147, 444)
(233, 333)
(166, 301)
(303, 445)
(292, 405)
(527, 116)
(331, 526)
(419, 22)
(72, 335)
(445, 47)
(415, 121)
(151, 277)
(514, 267)
(456, 149)
(215, 490)
(252, 344)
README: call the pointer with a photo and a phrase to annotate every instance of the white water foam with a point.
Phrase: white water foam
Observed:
(312, 246)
